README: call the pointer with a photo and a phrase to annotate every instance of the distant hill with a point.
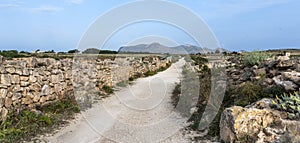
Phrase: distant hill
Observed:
(284, 49)
(158, 48)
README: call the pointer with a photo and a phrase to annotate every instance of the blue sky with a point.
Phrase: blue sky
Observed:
(237, 24)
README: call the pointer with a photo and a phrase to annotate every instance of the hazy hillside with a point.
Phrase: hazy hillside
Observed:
(158, 48)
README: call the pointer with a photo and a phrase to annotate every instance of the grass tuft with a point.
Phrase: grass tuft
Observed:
(26, 124)
(107, 89)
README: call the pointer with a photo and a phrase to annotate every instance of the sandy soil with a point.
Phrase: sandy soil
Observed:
(139, 113)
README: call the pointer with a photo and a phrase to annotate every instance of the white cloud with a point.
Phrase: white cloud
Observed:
(9, 5)
(20, 6)
(47, 8)
(75, 1)
(246, 5)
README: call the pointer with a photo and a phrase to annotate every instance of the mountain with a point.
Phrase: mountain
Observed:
(144, 48)
(158, 48)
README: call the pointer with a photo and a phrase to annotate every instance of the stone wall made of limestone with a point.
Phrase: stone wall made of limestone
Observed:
(32, 82)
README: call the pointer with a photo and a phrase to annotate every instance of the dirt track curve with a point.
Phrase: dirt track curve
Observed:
(139, 113)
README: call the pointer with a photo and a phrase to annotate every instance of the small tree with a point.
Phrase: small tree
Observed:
(50, 51)
(73, 51)
(91, 51)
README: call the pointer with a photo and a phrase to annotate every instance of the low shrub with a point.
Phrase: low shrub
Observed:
(244, 94)
(274, 90)
(26, 124)
(107, 89)
(255, 58)
(11, 54)
(199, 60)
(131, 79)
(150, 73)
(250, 92)
(288, 103)
(176, 94)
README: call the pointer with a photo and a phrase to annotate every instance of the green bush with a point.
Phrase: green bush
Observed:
(131, 79)
(199, 60)
(288, 103)
(73, 51)
(91, 51)
(274, 90)
(246, 94)
(255, 58)
(107, 89)
(24, 125)
(176, 94)
(10, 54)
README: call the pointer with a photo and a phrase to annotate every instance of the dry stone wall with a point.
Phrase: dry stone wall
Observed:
(258, 123)
(33, 82)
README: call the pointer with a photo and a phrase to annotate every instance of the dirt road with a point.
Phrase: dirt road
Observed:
(139, 113)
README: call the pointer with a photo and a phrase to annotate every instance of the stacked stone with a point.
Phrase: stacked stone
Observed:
(32, 82)
(284, 72)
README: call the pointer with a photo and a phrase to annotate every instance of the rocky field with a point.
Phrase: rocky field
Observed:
(261, 102)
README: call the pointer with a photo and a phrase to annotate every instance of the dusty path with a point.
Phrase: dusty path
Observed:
(139, 113)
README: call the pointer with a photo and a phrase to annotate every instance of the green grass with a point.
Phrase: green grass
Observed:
(150, 73)
(296, 56)
(26, 124)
